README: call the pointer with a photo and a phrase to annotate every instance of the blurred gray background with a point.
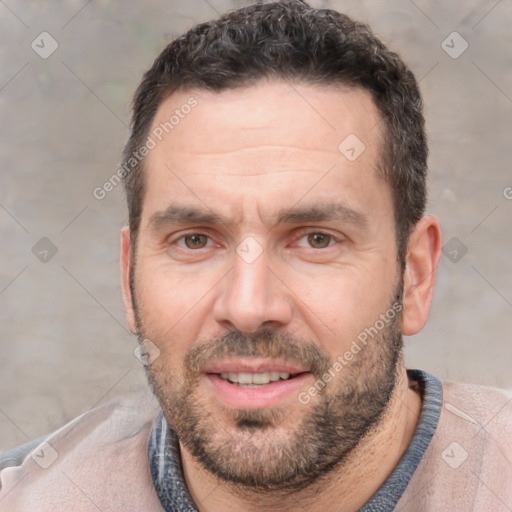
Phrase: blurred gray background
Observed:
(64, 345)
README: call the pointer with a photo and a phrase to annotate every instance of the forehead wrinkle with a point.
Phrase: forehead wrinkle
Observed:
(271, 148)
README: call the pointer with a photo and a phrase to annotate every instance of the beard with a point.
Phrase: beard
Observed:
(283, 448)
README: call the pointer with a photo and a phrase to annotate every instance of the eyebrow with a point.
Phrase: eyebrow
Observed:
(175, 214)
(324, 212)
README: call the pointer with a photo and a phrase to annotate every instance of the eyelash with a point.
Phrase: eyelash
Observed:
(193, 233)
(333, 239)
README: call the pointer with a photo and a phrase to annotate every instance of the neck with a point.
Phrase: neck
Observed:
(346, 488)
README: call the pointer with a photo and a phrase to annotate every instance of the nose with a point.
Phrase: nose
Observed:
(252, 296)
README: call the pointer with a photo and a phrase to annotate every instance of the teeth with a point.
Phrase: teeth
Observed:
(259, 378)
(274, 376)
(246, 378)
(249, 379)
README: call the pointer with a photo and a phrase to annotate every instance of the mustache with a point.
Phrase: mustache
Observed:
(265, 343)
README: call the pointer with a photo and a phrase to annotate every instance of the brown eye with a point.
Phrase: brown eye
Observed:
(195, 241)
(319, 240)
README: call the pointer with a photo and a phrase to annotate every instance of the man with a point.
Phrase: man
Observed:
(277, 251)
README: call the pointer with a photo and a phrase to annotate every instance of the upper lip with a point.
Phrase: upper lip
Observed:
(253, 365)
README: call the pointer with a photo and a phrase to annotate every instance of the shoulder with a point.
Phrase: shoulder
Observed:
(483, 400)
(98, 458)
(483, 412)
(468, 465)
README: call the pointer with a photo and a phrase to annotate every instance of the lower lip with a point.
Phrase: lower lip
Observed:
(269, 395)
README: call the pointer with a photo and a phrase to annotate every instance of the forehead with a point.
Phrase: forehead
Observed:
(272, 140)
(320, 116)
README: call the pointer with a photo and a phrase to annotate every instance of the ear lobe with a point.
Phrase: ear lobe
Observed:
(423, 253)
(125, 278)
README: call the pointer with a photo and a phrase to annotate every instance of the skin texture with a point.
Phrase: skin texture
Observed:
(250, 157)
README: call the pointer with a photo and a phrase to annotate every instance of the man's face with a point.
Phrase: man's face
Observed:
(265, 248)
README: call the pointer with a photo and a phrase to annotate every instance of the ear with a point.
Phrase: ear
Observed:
(125, 278)
(423, 253)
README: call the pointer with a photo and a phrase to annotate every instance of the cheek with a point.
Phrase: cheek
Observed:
(171, 305)
(339, 307)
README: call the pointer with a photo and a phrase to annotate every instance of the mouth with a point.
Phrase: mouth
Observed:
(250, 384)
(255, 380)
